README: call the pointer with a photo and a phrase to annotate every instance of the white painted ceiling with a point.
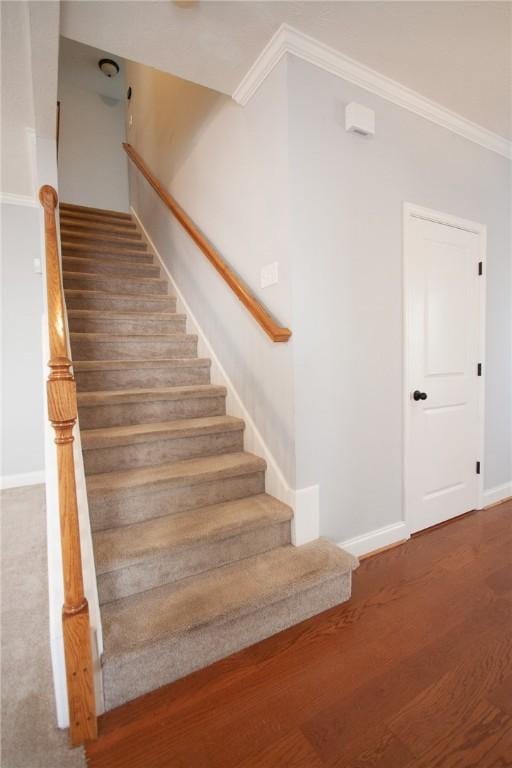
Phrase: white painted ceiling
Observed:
(456, 53)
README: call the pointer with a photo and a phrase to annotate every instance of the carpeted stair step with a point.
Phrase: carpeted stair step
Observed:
(77, 298)
(122, 498)
(77, 224)
(113, 449)
(107, 267)
(93, 375)
(107, 346)
(104, 252)
(142, 556)
(157, 636)
(87, 210)
(143, 406)
(115, 322)
(132, 240)
(114, 283)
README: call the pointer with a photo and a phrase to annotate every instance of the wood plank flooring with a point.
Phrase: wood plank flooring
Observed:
(414, 672)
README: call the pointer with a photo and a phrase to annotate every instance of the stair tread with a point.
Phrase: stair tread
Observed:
(130, 337)
(116, 396)
(117, 263)
(130, 544)
(177, 473)
(98, 250)
(106, 294)
(121, 313)
(103, 437)
(96, 276)
(91, 210)
(71, 221)
(219, 595)
(163, 362)
(131, 235)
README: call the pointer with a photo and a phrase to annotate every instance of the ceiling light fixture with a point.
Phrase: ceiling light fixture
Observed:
(109, 67)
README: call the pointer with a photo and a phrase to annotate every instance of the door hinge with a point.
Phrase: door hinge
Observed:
(479, 369)
(480, 267)
(478, 467)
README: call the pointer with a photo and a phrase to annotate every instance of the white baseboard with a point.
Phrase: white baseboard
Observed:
(304, 502)
(377, 539)
(24, 478)
(497, 494)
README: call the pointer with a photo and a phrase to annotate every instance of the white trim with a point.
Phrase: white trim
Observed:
(411, 211)
(498, 493)
(306, 515)
(377, 539)
(290, 40)
(24, 478)
(9, 198)
(304, 502)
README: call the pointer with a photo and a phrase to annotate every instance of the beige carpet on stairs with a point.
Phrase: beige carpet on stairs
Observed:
(193, 557)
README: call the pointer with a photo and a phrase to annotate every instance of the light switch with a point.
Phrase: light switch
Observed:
(130, 121)
(269, 274)
(37, 267)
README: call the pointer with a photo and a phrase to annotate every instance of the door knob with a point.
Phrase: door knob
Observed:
(417, 395)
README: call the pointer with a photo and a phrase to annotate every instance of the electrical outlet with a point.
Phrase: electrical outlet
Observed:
(269, 274)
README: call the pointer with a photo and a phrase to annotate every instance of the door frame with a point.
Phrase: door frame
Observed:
(412, 211)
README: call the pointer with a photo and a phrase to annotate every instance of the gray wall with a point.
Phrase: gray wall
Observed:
(92, 163)
(227, 166)
(22, 363)
(346, 201)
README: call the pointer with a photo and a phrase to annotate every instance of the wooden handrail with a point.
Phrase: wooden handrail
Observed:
(257, 310)
(62, 413)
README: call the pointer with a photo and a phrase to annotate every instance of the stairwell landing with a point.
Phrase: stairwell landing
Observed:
(194, 560)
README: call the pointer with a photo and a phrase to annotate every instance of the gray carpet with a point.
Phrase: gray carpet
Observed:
(30, 738)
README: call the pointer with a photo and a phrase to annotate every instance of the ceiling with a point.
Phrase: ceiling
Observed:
(458, 54)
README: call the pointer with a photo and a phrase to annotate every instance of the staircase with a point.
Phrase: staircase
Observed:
(193, 558)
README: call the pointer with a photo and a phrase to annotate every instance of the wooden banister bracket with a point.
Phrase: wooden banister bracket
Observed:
(262, 316)
(62, 413)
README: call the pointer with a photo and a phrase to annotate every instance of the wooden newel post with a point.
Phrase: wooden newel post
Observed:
(62, 412)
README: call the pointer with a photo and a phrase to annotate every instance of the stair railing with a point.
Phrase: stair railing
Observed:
(62, 413)
(262, 316)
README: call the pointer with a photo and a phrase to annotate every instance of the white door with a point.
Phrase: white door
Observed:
(443, 413)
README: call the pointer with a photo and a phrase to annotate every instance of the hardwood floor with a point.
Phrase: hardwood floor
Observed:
(414, 672)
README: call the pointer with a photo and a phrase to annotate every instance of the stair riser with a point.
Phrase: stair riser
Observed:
(114, 284)
(132, 350)
(127, 506)
(108, 254)
(126, 326)
(123, 414)
(168, 661)
(177, 565)
(99, 267)
(132, 242)
(92, 381)
(151, 453)
(103, 302)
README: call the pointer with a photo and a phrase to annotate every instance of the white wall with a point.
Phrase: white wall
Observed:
(92, 163)
(347, 194)
(17, 112)
(22, 453)
(226, 166)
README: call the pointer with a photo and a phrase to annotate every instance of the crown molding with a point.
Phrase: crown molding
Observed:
(290, 40)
